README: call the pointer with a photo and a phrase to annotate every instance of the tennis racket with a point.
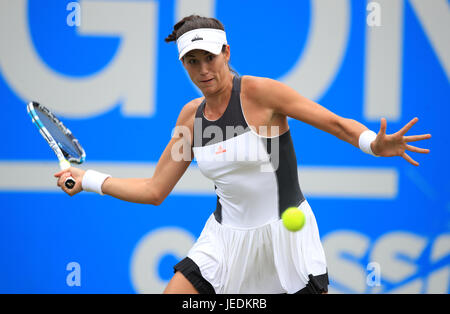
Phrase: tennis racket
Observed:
(64, 144)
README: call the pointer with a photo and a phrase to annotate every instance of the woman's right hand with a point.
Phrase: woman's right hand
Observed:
(76, 174)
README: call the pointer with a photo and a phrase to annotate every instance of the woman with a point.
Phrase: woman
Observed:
(244, 247)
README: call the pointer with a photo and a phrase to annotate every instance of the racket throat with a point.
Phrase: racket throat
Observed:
(64, 164)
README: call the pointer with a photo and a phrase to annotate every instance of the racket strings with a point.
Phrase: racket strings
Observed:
(69, 146)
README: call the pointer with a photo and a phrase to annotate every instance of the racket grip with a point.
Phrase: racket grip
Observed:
(69, 183)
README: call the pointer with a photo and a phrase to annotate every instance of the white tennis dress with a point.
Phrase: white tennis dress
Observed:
(244, 247)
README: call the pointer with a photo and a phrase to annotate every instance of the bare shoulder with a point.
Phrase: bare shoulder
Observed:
(261, 88)
(186, 119)
(187, 113)
(252, 84)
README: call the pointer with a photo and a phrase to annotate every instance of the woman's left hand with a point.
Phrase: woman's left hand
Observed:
(388, 145)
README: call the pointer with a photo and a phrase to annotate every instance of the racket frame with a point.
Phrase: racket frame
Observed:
(63, 158)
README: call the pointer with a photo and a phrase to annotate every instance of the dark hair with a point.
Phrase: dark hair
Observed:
(192, 22)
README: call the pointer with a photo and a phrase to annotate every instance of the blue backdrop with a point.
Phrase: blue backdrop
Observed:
(377, 239)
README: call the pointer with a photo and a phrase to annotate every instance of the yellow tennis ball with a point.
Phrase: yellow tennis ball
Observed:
(293, 219)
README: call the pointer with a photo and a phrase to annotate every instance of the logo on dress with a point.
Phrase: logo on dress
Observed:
(220, 150)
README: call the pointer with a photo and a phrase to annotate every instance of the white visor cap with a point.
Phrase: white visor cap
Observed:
(208, 39)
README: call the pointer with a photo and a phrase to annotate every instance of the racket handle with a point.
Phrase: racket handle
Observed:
(70, 182)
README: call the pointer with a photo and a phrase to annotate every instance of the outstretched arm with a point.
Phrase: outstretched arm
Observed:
(169, 169)
(149, 190)
(286, 101)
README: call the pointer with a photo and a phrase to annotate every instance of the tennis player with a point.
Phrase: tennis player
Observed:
(244, 247)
